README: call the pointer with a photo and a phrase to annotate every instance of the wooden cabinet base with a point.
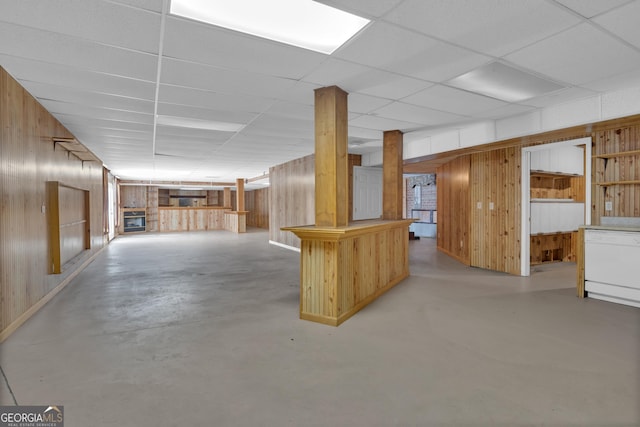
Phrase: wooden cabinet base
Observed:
(343, 269)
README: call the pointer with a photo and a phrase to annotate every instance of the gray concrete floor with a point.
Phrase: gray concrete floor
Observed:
(202, 329)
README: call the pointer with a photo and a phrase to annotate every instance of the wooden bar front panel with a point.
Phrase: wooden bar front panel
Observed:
(341, 274)
(191, 219)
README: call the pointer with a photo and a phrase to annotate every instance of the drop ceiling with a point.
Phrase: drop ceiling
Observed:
(108, 69)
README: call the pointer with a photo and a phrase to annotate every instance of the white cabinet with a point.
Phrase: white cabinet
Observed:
(561, 160)
(556, 216)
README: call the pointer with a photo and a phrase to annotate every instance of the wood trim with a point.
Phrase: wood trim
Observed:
(580, 264)
(356, 228)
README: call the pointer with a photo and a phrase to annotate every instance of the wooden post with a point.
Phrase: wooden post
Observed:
(227, 197)
(240, 194)
(331, 158)
(392, 175)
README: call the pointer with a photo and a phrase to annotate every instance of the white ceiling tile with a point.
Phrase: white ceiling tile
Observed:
(559, 97)
(364, 79)
(364, 104)
(292, 110)
(70, 77)
(453, 100)
(300, 93)
(364, 133)
(591, 8)
(205, 114)
(90, 99)
(199, 76)
(494, 27)
(364, 8)
(383, 124)
(569, 56)
(384, 46)
(505, 111)
(153, 5)
(64, 50)
(207, 44)
(212, 100)
(99, 21)
(57, 107)
(623, 22)
(409, 54)
(415, 114)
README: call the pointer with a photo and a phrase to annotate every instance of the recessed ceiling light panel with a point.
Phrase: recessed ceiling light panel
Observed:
(500, 81)
(302, 23)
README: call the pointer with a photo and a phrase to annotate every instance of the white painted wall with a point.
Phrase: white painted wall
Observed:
(605, 106)
(367, 193)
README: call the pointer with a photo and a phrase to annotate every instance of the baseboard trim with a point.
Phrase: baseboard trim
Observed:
(13, 326)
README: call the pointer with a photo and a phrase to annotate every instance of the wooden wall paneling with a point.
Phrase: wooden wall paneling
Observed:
(133, 196)
(495, 233)
(152, 208)
(27, 132)
(291, 198)
(453, 206)
(257, 205)
(617, 172)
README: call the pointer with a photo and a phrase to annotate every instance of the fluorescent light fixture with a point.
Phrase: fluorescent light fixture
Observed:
(302, 23)
(185, 122)
(500, 81)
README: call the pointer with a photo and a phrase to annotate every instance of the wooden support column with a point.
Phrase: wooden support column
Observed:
(331, 158)
(392, 175)
(240, 194)
(227, 197)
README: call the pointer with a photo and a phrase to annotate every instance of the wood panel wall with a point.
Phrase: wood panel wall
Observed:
(616, 168)
(292, 198)
(453, 206)
(190, 219)
(28, 159)
(133, 196)
(257, 205)
(495, 232)
(152, 208)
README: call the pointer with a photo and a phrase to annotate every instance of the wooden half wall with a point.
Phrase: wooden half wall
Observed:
(28, 160)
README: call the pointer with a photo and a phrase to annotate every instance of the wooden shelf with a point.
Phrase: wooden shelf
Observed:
(554, 175)
(620, 154)
(611, 183)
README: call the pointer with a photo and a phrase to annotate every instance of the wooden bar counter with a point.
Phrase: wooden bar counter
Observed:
(342, 269)
(191, 218)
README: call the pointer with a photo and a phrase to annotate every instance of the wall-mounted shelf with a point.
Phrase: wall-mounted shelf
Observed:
(611, 183)
(620, 154)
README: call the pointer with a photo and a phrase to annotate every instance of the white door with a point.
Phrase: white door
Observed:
(367, 193)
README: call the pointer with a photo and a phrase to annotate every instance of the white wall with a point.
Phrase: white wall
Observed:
(587, 110)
